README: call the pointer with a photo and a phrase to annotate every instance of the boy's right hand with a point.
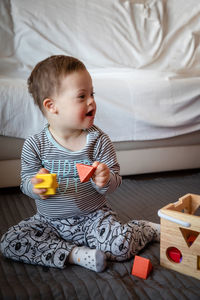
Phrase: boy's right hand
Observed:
(35, 180)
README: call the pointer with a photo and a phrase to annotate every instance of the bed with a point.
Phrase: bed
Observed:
(144, 59)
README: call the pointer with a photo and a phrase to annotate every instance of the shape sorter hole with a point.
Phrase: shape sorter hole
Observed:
(174, 254)
(198, 263)
(189, 236)
(197, 212)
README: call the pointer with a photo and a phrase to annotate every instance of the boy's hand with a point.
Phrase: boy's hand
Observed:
(102, 174)
(35, 180)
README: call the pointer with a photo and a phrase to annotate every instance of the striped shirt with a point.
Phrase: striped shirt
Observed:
(72, 197)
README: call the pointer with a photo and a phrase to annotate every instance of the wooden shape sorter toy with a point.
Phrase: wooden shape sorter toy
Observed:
(180, 236)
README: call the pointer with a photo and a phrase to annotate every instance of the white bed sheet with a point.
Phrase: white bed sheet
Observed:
(131, 105)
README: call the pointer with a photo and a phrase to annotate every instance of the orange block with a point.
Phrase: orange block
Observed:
(141, 267)
(85, 172)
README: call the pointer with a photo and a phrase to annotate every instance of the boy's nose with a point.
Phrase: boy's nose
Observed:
(90, 100)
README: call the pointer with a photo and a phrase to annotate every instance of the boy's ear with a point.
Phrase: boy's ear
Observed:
(49, 105)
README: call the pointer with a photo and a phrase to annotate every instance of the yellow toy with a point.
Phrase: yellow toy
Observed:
(180, 238)
(49, 182)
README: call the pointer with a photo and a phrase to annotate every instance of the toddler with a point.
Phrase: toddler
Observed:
(75, 225)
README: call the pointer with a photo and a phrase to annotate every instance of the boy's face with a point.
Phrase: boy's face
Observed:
(75, 103)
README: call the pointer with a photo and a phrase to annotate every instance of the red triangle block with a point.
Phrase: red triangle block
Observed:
(85, 172)
(141, 267)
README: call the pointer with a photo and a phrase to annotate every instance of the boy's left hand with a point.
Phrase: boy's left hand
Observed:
(102, 174)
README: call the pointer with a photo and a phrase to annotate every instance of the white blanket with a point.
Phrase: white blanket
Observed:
(141, 34)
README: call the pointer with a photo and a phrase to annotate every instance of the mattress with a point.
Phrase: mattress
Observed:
(131, 105)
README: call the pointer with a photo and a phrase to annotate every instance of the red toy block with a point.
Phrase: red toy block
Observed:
(174, 254)
(141, 267)
(191, 239)
(85, 172)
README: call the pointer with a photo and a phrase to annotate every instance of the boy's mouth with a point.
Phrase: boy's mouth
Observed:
(90, 113)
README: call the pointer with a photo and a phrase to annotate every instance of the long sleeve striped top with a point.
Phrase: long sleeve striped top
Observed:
(72, 197)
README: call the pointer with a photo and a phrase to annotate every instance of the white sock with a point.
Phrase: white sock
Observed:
(92, 259)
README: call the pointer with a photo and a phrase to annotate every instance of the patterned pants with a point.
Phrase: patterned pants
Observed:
(48, 242)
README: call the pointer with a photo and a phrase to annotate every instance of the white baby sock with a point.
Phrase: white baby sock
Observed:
(92, 259)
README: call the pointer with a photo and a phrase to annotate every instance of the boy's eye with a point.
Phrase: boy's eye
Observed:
(83, 96)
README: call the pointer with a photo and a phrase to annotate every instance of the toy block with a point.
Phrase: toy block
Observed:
(180, 229)
(85, 172)
(49, 182)
(141, 267)
(191, 239)
(174, 254)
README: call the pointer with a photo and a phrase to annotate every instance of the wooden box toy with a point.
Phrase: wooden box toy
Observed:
(180, 238)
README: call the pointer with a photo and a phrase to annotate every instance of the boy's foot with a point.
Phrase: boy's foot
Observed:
(92, 259)
(156, 228)
(152, 227)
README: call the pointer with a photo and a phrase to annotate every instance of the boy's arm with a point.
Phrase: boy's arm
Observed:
(30, 165)
(106, 155)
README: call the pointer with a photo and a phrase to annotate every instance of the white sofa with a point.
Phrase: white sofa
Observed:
(144, 59)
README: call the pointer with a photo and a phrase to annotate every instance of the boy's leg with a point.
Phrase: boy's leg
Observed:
(33, 241)
(119, 242)
(72, 229)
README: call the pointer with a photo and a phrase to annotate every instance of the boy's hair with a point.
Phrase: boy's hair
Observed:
(45, 79)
